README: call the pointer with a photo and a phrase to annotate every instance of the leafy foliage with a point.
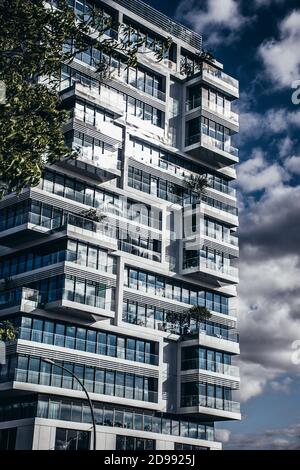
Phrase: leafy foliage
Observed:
(197, 184)
(33, 44)
(195, 314)
(94, 215)
(8, 332)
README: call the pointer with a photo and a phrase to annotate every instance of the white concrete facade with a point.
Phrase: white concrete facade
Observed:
(158, 134)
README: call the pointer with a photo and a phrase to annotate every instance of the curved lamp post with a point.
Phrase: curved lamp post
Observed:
(49, 361)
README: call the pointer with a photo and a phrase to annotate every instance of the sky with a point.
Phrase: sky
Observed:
(259, 43)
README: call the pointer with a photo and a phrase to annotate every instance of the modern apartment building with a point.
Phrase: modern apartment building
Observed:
(95, 294)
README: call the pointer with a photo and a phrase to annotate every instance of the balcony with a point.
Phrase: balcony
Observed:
(210, 407)
(212, 337)
(22, 299)
(209, 366)
(212, 151)
(221, 80)
(202, 268)
(148, 90)
(225, 114)
(26, 227)
(102, 96)
(146, 127)
(177, 171)
(89, 306)
(92, 347)
(102, 233)
(102, 167)
(67, 382)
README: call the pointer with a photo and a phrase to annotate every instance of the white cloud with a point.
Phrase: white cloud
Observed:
(256, 174)
(293, 165)
(266, 3)
(218, 21)
(270, 439)
(281, 57)
(269, 290)
(223, 435)
(254, 379)
(275, 121)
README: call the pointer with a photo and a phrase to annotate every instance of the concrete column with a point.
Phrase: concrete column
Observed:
(119, 292)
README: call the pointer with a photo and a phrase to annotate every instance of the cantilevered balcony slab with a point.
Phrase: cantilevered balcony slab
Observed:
(79, 310)
(209, 409)
(20, 299)
(218, 79)
(209, 150)
(28, 230)
(213, 341)
(100, 167)
(104, 97)
(203, 269)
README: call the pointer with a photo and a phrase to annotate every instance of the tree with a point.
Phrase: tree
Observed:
(197, 184)
(197, 314)
(93, 214)
(8, 331)
(36, 37)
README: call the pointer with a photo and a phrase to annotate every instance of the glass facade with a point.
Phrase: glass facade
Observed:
(74, 289)
(90, 340)
(75, 410)
(132, 106)
(176, 165)
(208, 395)
(99, 381)
(134, 443)
(171, 192)
(71, 439)
(8, 439)
(169, 288)
(70, 188)
(196, 357)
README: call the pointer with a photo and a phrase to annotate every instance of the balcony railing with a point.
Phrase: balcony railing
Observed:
(178, 171)
(108, 162)
(210, 402)
(90, 300)
(203, 263)
(219, 77)
(220, 110)
(213, 143)
(55, 339)
(193, 103)
(211, 366)
(14, 297)
(105, 96)
(67, 382)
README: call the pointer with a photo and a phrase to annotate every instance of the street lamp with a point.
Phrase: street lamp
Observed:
(49, 361)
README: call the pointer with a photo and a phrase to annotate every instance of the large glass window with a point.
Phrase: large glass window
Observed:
(71, 439)
(169, 288)
(83, 339)
(134, 443)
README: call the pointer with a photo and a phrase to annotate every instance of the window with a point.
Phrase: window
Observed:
(134, 443)
(8, 439)
(71, 439)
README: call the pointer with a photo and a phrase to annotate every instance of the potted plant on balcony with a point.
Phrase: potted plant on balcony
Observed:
(197, 184)
(93, 215)
(182, 320)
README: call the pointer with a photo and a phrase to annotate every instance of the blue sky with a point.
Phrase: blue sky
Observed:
(259, 43)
